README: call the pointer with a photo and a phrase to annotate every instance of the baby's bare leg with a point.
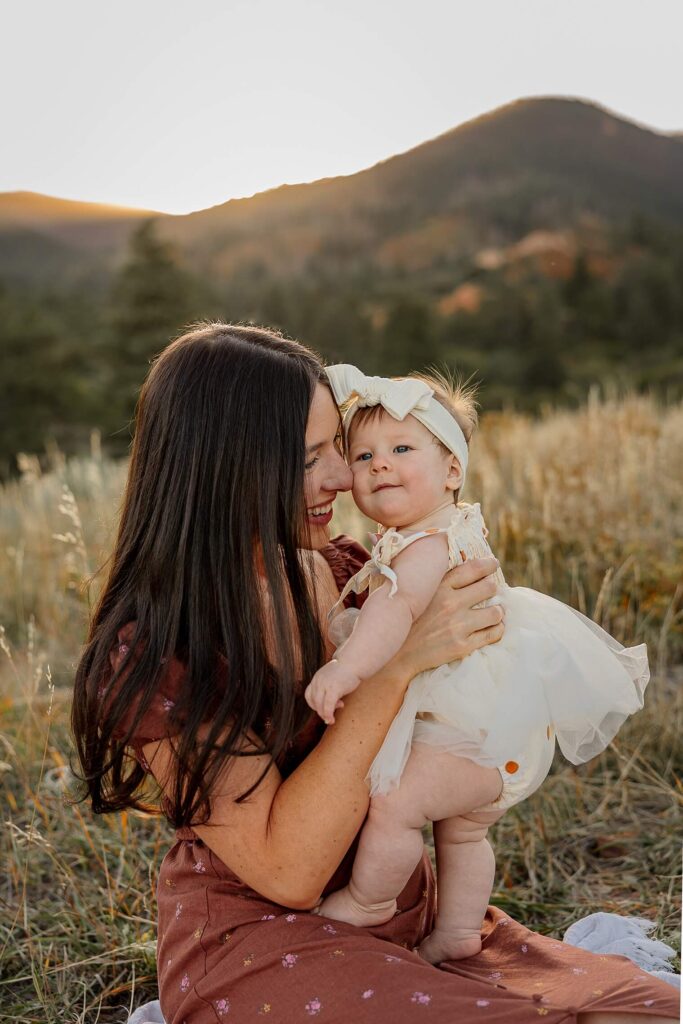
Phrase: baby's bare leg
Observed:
(434, 785)
(465, 868)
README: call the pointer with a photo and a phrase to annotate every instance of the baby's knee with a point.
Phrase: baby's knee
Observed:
(396, 808)
(461, 829)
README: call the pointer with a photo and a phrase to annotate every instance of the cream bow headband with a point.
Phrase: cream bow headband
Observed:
(400, 398)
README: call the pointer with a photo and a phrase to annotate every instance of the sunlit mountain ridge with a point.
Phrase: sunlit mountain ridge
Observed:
(536, 164)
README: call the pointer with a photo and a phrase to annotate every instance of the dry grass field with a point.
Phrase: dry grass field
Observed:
(587, 506)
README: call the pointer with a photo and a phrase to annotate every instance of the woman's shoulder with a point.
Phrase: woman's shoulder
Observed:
(159, 720)
(345, 557)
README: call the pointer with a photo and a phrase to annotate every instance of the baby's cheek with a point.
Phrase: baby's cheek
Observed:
(358, 488)
(363, 500)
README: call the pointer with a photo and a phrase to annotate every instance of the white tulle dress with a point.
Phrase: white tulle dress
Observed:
(555, 674)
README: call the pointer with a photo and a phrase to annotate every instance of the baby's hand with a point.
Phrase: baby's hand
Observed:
(326, 687)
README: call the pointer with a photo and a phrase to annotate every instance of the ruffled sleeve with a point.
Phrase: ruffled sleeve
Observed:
(345, 557)
(158, 721)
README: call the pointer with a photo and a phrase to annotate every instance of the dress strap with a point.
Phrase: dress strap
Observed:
(361, 581)
(387, 547)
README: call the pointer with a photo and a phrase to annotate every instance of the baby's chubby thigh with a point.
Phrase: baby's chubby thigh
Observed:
(434, 785)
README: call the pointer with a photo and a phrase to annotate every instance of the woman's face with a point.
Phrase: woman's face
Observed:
(326, 471)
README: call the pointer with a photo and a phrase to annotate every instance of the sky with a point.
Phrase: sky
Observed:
(177, 107)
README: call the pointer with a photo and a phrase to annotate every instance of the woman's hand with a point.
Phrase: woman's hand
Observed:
(451, 627)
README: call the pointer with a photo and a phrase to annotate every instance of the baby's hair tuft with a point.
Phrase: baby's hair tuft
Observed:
(456, 395)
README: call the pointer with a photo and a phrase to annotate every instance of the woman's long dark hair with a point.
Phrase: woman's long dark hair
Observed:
(216, 476)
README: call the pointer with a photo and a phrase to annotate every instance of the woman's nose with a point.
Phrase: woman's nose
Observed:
(339, 477)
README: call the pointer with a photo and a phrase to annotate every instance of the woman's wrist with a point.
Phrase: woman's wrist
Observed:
(401, 669)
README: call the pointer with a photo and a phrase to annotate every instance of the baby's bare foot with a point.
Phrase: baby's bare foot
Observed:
(341, 906)
(453, 945)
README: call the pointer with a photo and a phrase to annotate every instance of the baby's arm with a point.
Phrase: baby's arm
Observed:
(383, 624)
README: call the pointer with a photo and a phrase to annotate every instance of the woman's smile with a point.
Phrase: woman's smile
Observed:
(326, 471)
(321, 515)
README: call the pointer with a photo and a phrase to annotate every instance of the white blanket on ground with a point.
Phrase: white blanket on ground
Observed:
(598, 933)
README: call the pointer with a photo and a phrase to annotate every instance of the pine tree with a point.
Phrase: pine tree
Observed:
(152, 300)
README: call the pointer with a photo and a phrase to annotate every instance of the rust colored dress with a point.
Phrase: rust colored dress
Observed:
(225, 953)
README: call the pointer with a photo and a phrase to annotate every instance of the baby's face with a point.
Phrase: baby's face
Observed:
(400, 471)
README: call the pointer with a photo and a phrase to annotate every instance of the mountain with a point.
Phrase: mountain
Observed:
(534, 164)
(43, 238)
(32, 209)
(538, 249)
(541, 164)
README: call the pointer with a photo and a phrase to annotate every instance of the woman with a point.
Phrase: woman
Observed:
(206, 634)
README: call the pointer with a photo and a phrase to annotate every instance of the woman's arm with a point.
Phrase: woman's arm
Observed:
(289, 837)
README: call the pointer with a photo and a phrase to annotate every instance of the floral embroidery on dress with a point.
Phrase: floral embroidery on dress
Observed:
(178, 909)
(368, 994)
(524, 948)
(495, 975)
(199, 867)
(268, 917)
(330, 929)
(222, 1006)
(337, 952)
(421, 998)
(266, 1008)
(579, 970)
(289, 959)
(168, 704)
(314, 1007)
(184, 983)
(483, 1002)
(290, 917)
(393, 959)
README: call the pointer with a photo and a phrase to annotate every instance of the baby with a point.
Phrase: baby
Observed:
(474, 737)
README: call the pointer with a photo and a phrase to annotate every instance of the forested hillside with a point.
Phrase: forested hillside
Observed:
(539, 247)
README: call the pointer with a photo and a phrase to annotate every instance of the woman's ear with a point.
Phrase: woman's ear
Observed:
(454, 478)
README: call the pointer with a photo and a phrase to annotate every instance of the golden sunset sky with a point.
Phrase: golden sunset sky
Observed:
(178, 106)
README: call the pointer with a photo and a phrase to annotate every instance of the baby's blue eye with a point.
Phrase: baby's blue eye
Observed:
(364, 457)
(400, 448)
